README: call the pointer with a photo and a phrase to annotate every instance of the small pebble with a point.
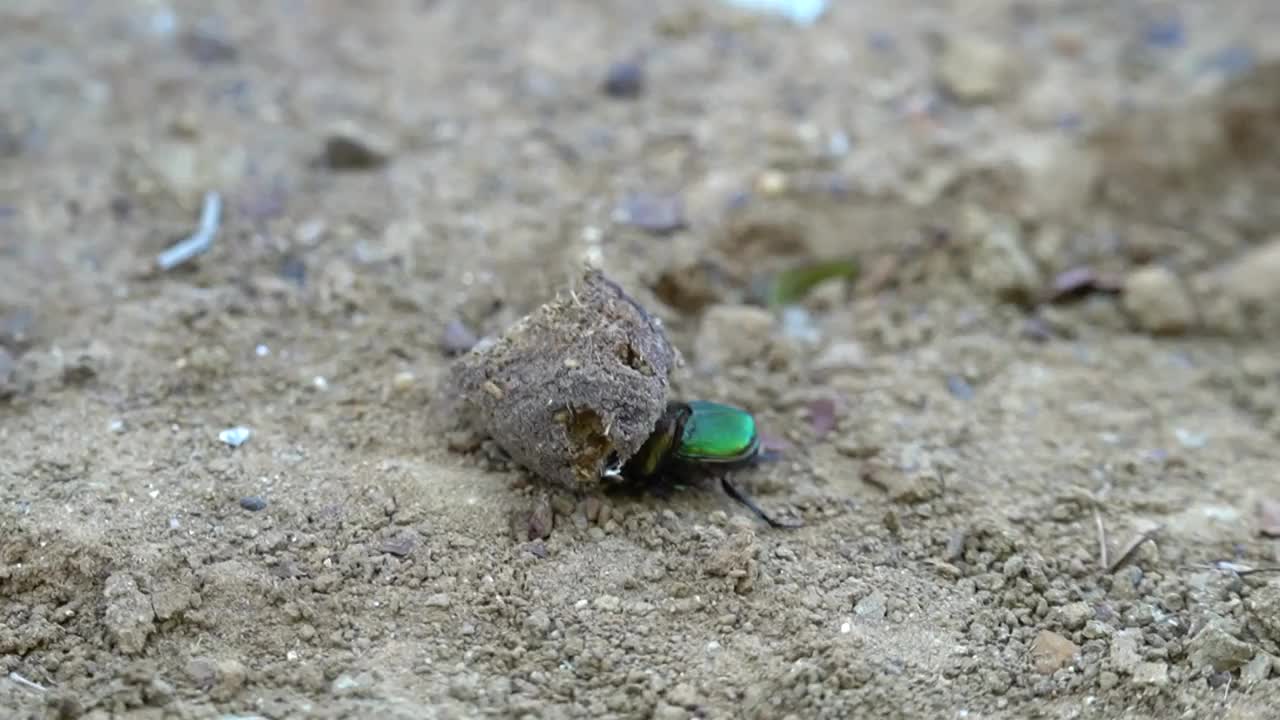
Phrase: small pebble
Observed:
(207, 47)
(354, 148)
(1158, 302)
(253, 503)
(457, 338)
(959, 387)
(660, 214)
(1050, 652)
(402, 381)
(624, 80)
(1151, 673)
(976, 70)
(236, 436)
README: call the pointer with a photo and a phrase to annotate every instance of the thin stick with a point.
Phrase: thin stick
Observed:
(1102, 540)
(26, 683)
(200, 240)
(1132, 548)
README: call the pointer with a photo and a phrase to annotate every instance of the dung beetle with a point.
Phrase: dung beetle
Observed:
(698, 438)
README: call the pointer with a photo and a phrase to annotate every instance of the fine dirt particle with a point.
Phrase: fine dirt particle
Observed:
(577, 384)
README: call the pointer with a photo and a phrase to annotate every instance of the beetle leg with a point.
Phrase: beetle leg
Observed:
(745, 500)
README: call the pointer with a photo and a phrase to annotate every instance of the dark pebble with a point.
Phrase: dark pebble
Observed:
(253, 503)
(624, 80)
(347, 153)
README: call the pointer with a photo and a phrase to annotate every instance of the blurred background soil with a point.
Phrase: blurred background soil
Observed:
(1034, 443)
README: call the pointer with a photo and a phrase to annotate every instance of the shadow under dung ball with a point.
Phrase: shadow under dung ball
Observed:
(574, 386)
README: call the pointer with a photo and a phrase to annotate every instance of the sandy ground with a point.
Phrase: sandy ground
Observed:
(975, 465)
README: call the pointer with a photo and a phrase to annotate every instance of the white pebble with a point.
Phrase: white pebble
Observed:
(236, 436)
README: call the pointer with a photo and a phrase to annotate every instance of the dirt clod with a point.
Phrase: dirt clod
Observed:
(129, 615)
(1050, 652)
(1216, 647)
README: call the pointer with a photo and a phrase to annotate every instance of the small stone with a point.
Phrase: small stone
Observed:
(660, 214)
(683, 695)
(624, 79)
(920, 484)
(1151, 673)
(402, 544)
(538, 622)
(1217, 648)
(1050, 652)
(1263, 606)
(1108, 679)
(207, 47)
(976, 70)
(8, 369)
(1002, 266)
(1096, 629)
(438, 600)
(1057, 176)
(666, 711)
(1243, 295)
(1158, 302)
(403, 381)
(608, 603)
(236, 436)
(540, 520)
(841, 357)
(733, 334)
(352, 147)
(457, 338)
(344, 684)
(1075, 615)
(1125, 654)
(1258, 669)
(998, 681)
(1268, 515)
(871, 607)
(253, 503)
(231, 676)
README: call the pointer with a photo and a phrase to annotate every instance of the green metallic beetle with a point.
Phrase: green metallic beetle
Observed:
(698, 438)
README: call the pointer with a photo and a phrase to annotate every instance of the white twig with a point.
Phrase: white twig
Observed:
(200, 240)
(25, 682)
